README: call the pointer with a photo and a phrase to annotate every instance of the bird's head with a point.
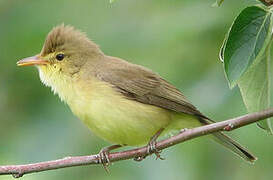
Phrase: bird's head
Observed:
(64, 52)
(61, 60)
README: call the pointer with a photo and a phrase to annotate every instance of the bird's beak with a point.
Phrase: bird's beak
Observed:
(30, 61)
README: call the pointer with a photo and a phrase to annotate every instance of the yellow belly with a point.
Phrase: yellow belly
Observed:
(122, 121)
(128, 123)
(119, 120)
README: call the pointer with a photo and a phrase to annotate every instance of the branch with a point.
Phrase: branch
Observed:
(228, 125)
(267, 2)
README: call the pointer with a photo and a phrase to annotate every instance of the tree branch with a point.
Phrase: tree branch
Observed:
(228, 125)
(267, 2)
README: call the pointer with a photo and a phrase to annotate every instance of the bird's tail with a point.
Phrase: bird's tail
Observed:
(234, 146)
(231, 144)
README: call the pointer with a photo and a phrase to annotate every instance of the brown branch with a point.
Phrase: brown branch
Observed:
(228, 125)
(267, 2)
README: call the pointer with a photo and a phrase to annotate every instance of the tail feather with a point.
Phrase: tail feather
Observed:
(229, 143)
(234, 147)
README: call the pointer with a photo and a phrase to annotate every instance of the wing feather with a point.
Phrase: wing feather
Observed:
(143, 85)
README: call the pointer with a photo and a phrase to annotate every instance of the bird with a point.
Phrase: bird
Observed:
(123, 103)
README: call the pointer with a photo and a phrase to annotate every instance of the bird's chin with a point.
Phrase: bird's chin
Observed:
(41, 69)
(44, 75)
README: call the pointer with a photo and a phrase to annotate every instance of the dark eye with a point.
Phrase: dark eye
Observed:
(60, 57)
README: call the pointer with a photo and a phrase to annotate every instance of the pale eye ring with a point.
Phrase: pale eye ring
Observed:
(60, 57)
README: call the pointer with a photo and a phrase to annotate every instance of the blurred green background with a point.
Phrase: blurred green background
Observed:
(179, 39)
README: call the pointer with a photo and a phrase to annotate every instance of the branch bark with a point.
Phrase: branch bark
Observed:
(267, 2)
(228, 125)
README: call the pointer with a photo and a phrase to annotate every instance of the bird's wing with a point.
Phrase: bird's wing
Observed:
(141, 84)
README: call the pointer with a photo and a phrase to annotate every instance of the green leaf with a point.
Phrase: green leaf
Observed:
(221, 53)
(217, 3)
(255, 88)
(247, 38)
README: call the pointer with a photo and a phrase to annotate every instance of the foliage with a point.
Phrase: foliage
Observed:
(246, 56)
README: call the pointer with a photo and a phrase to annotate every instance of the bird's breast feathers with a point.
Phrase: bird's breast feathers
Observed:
(115, 118)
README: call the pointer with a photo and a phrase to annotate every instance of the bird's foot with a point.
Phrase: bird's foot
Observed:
(104, 156)
(104, 159)
(151, 149)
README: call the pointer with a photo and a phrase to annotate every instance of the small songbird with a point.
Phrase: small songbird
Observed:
(123, 103)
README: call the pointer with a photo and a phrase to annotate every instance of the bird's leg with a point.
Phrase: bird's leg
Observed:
(152, 145)
(103, 155)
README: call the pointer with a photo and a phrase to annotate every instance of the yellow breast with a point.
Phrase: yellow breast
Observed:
(116, 119)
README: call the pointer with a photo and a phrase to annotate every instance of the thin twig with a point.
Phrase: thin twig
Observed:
(228, 125)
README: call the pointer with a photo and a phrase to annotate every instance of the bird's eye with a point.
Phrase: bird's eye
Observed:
(60, 57)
